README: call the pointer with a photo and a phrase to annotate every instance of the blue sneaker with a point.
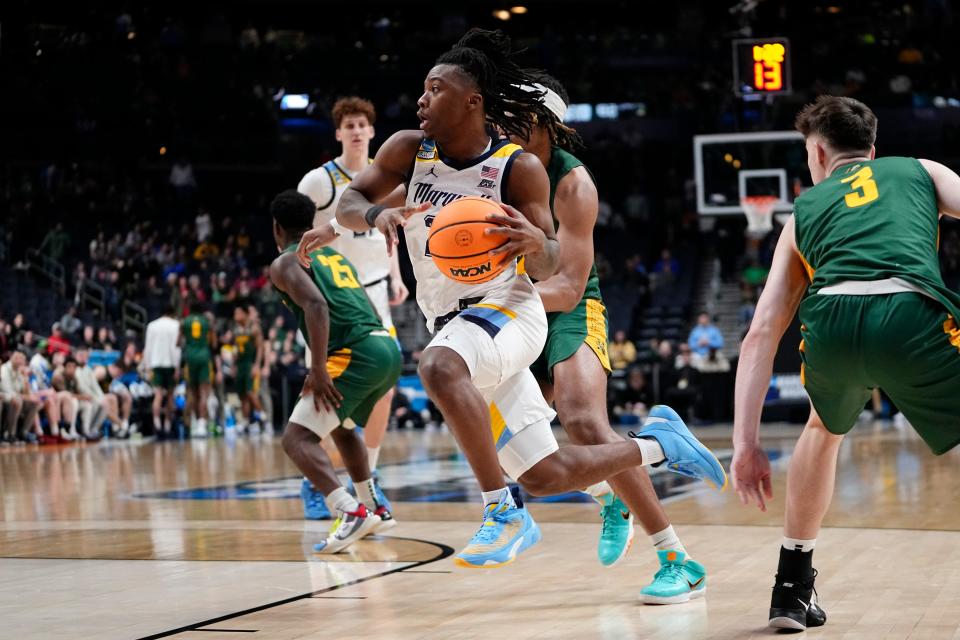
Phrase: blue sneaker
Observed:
(616, 533)
(679, 579)
(685, 454)
(506, 531)
(314, 506)
(379, 495)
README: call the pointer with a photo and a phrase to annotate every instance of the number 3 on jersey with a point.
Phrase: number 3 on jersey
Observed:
(864, 188)
(342, 274)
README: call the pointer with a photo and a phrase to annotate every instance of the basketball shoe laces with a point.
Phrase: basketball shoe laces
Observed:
(607, 517)
(488, 532)
(672, 571)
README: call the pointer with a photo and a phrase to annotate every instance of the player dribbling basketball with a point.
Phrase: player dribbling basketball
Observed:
(486, 335)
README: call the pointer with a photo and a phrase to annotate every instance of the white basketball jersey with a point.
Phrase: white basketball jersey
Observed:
(367, 251)
(439, 181)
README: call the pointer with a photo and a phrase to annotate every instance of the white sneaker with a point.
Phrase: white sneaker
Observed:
(200, 431)
(254, 429)
(350, 528)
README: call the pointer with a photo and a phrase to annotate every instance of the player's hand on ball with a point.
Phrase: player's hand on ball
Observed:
(522, 236)
(313, 240)
(751, 476)
(398, 291)
(389, 219)
(319, 384)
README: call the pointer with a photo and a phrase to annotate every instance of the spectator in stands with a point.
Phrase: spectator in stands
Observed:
(704, 336)
(5, 339)
(622, 352)
(57, 342)
(667, 264)
(105, 339)
(89, 337)
(182, 180)
(682, 395)
(55, 243)
(755, 275)
(106, 403)
(28, 343)
(59, 406)
(635, 399)
(713, 362)
(20, 407)
(91, 417)
(18, 328)
(70, 324)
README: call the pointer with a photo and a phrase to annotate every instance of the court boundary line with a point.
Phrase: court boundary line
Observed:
(445, 552)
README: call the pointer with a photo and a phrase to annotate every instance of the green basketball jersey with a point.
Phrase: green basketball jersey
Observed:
(562, 163)
(245, 343)
(196, 332)
(873, 220)
(352, 317)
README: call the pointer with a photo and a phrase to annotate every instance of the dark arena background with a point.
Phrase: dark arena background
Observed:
(141, 145)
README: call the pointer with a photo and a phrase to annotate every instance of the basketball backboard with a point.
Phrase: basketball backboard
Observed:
(731, 166)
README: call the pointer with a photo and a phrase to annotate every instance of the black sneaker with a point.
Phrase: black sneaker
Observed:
(794, 605)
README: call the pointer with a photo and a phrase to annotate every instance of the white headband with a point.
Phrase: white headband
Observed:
(551, 99)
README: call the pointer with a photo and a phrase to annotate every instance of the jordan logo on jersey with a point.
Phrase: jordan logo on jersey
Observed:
(424, 192)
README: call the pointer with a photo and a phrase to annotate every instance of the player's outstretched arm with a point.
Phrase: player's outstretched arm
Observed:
(947, 184)
(778, 304)
(377, 182)
(528, 225)
(575, 206)
(288, 276)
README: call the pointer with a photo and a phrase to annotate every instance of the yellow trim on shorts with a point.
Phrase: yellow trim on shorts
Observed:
(522, 266)
(497, 423)
(597, 332)
(392, 331)
(338, 361)
(953, 333)
(496, 307)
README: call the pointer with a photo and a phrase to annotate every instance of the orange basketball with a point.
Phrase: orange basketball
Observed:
(457, 242)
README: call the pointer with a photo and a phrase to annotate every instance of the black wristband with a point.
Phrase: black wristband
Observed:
(371, 215)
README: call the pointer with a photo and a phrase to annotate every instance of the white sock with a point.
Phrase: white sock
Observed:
(794, 544)
(373, 454)
(493, 497)
(667, 539)
(340, 500)
(367, 493)
(157, 424)
(650, 450)
(201, 424)
(599, 489)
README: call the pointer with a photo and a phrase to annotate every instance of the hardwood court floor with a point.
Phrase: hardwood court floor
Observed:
(205, 540)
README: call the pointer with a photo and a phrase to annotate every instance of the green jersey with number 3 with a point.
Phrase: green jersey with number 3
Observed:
(352, 317)
(873, 220)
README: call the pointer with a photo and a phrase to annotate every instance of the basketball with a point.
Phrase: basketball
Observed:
(458, 245)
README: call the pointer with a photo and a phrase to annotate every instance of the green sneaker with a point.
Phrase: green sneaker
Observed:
(616, 533)
(678, 580)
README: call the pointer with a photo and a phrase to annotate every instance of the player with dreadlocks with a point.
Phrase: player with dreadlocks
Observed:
(573, 368)
(476, 367)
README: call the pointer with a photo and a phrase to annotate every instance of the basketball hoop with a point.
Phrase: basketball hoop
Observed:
(759, 212)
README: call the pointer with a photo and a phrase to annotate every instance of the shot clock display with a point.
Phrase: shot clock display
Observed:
(761, 66)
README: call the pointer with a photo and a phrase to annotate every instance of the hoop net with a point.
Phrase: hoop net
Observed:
(759, 212)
